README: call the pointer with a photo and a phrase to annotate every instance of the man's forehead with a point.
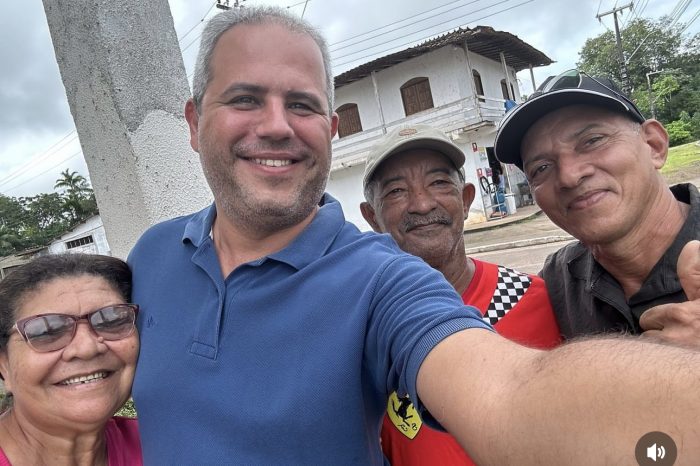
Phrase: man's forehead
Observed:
(569, 122)
(411, 159)
(242, 33)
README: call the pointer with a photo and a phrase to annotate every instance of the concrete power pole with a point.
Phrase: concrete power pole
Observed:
(126, 86)
(621, 54)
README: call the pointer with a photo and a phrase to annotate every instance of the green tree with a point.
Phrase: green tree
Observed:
(45, 217)
(11, 213)
(78, 197)
(72, 183)
(680, 131)
(651, 47)
(12, 225)
(35, 221)
(8, 240)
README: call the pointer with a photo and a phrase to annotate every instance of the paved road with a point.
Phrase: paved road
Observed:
(539, 236)
(525, 259)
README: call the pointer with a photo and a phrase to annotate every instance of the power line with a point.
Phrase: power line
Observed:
(45, 171)
(198, 23)
(417, 31)
(415, 22)
(398, 21)
(692, 20)
(421, 39)
(31, 163)
(675, 14)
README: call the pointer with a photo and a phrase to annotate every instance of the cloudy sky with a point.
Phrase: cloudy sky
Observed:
(37, 134)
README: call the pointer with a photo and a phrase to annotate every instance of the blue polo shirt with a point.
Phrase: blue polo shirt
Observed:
(289, 359)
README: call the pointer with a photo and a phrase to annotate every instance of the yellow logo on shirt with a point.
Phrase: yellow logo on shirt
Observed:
(404, 415)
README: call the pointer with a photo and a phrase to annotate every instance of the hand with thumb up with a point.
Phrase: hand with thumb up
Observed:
(679, 323)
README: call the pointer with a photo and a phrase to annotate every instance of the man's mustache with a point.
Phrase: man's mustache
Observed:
(412, 221)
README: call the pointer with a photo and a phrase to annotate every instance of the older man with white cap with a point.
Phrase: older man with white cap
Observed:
(415, 191)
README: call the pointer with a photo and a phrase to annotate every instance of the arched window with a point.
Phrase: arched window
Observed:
(348, 120)
(416, 96)
(478, 85)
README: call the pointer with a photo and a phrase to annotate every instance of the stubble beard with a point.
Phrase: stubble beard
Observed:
(440, 250)
(243, 207)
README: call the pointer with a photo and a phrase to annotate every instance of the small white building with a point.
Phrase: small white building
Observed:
(459, 82)
(88, 237)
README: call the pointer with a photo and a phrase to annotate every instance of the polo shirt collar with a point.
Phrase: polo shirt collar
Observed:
(199, 225)
(311, 244)
(316, 238)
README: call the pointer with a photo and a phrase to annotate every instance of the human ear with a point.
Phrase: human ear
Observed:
(468, 194)
(192, 117)
(370, 215)
(656, 139)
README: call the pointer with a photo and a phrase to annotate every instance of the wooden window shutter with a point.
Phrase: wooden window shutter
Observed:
(348, 120)
(416, 96)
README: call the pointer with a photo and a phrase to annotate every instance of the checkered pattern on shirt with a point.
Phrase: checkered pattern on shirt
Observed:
(510, 288)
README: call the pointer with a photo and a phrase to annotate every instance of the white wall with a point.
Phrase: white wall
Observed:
(346, 186)
(92, 227)
(450, 81)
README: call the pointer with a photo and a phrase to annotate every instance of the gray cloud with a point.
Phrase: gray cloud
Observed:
(33, 99)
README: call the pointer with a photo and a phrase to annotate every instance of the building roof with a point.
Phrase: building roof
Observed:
(20, 258)
(483, 40)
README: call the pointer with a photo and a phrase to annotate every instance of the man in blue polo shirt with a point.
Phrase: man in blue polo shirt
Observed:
(273, 331)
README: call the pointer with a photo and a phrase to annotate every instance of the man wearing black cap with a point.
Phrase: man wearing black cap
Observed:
(593, 162)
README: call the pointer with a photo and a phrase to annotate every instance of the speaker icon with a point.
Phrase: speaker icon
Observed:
(656, 449)
(654, 453)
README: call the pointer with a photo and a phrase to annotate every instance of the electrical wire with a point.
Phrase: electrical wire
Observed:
(421, 39)
(691, 21)
(416, 22)
(46, 171)
(399, 21)
(41, 156)
(31, 163)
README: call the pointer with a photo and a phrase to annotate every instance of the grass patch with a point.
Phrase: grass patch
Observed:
(683, 163)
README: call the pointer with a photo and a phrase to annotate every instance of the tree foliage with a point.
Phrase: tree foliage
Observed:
(35, 221)
(671, 59)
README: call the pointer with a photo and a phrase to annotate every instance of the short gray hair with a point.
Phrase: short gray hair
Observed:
(222, 22)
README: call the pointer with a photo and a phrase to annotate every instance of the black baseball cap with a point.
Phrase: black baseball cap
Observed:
(572, 87)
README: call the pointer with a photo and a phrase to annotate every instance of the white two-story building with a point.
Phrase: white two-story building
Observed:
(460, 82)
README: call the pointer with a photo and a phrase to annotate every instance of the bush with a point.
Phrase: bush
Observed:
(679, 132)
(695, 126)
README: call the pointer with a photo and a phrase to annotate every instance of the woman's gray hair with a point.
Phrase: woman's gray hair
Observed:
(222, 22)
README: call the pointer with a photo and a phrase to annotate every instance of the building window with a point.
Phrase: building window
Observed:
(478, 85)
(79, 242)
(348, 120)
(416, 96)
(504, 90)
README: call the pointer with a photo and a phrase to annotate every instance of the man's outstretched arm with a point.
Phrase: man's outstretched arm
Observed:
(586, 402)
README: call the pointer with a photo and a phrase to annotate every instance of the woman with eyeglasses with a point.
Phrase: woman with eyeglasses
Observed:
(68, 349)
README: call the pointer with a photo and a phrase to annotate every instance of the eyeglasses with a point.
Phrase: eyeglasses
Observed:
(51, 332)
(570, 79)
(574, 79)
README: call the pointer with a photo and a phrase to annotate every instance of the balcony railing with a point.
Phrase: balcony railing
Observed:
(471, 112)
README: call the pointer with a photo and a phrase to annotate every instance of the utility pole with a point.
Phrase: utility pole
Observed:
(651, 95)
(621, 54)
(224, 4)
